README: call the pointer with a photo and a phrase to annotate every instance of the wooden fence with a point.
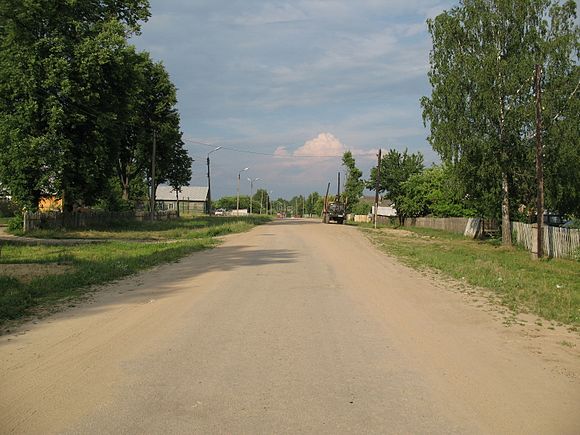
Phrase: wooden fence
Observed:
(558, 242)
(454, 225)
(55, 220)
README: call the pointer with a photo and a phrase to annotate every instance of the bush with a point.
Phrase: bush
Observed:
(15, 224)
(362, 208)
(7, 208)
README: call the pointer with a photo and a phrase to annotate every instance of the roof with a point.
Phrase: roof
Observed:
(382, 201)
(187, 193)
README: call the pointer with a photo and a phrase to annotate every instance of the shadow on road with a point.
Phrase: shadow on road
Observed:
(168, 279)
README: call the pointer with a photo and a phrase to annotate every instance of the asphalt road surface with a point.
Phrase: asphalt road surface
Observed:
(294, 327)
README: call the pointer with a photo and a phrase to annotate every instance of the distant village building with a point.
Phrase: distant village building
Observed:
(50, 203)
(192, 199)
(386, 206)
(385, 210)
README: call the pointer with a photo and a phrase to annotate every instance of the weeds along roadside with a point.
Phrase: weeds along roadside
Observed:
(547, 288)
(42, 275)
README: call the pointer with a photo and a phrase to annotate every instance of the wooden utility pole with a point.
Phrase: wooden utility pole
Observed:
(539, 162)
(377, 185)
(152, 205)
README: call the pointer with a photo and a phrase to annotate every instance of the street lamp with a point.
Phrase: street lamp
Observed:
(208, 207)
(238, 201)
(251, 180)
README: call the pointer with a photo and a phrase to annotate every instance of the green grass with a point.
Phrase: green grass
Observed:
(85, 265)
(4, 220)
(187, 228)
(547, 288)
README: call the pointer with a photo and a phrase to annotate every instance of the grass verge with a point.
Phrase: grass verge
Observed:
(41, 275)
(190, 228)
(547, 288)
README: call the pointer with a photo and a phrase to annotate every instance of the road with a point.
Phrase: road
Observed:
(293, 327)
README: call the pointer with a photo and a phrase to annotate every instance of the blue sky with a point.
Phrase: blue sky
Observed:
(288, 80)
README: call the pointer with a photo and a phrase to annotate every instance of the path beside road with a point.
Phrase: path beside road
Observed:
(292, 327)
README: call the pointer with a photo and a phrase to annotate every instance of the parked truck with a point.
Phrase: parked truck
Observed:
(334, 210)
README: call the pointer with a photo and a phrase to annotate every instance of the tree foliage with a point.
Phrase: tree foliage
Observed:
(396, 168)
(481, 109)
(79, 105)
(314, 204)
(56, 94)
(434, 192)
(354, 184)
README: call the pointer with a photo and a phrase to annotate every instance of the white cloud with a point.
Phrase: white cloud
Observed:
(325, 144)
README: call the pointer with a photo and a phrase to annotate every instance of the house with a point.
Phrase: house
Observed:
(49, 203)
(385, 210)
(192, 199)
(386, 206)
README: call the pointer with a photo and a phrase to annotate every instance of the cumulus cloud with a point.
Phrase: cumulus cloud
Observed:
(325, 144)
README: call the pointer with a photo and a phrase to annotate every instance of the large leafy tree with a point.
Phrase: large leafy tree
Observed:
(559, 51)
(57, 99)
(354, 184)
(314, 204)
(434, 192)
(481, 107)
(396, 168)
(150, 101)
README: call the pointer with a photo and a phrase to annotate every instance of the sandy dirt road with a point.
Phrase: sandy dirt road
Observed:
(294, 327)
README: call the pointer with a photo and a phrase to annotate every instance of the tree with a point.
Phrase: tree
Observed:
(229, 202)
(559, 53)
(178, 172)
(298, 205)
(433, 192)
(354, 185)
(57, 113)
(260, 200)
(481, 106)
(149, 108)
(396, 168)
(312, 204)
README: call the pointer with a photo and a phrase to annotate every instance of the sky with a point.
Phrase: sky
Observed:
(285, 87)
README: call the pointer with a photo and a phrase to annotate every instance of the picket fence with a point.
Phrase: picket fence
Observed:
(56, 220)
(558, 242)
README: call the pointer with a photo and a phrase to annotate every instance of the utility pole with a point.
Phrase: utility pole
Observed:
(539, 162)
(377, 184)
(153, 187)
(208, 206)
(238, 193)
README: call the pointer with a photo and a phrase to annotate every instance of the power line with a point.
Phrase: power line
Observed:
(237, 150)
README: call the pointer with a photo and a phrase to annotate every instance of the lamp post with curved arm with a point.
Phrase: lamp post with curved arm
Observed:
(208, 208)
(238, 200)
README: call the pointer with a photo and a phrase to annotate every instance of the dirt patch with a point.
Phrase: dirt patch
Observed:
(398, 232)
(29, 271)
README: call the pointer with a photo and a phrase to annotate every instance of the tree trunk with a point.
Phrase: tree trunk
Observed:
(506, 232)
(125, 187)
(177, 201)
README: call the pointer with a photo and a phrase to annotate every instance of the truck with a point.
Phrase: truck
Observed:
(334, 210)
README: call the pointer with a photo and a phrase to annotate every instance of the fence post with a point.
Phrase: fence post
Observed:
(534, 249)
(26, 221)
